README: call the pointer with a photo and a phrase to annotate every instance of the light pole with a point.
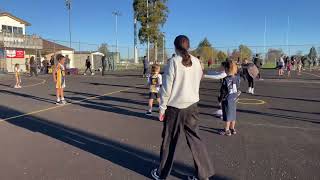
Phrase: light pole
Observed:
(163, 46)
(135, 41)
(148, 41)
(116, 14)
(68, 5)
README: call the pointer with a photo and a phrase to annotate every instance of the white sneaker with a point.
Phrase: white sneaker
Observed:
(19, 87)
(155, 174)
(92, 74)
(63, 102)
(84, 74)
(252, 91)
(16, 86)
(249, 90)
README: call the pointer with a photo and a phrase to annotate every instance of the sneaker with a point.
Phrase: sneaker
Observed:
(233, 131)
(19, 87)
(148, 113)
(16, 86)
(192, 178)
(92, 74)
(225, 133)
(252, 91)
(84, 74)
(58, 102)
(63, 102)
(155, 174)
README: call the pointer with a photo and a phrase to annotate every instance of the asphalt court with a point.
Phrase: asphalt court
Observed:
(104, 134)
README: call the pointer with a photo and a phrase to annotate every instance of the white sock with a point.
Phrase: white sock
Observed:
(62, 98)
(58, 99)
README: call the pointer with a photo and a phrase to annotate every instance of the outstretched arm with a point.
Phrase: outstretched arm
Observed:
(215, 75)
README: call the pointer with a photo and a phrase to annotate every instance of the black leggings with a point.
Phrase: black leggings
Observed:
(88, 68)
(250, 81)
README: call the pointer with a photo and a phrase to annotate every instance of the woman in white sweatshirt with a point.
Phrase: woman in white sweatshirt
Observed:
(178, 108)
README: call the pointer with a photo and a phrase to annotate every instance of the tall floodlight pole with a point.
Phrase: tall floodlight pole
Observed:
(265, 38)
(163, 47)
(135, 50)
(148, 41)
(68, 5)
(116, 14)
(288, 50)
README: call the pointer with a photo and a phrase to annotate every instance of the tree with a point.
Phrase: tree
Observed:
(103, 48)
(222, 56)
(150, 25)
(205, 50)
(313, 54)
(245, 52)
(273, 54)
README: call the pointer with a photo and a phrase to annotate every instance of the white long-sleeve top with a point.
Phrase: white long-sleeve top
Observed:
(215, 75)
(180, 84)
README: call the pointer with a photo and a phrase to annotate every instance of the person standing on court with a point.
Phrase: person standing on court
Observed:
(178, 108)
(145, 66)
(88, 66)
(258, 62)
(104, 64)
(33, 67)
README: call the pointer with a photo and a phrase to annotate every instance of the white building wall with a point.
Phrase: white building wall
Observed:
(5, 20)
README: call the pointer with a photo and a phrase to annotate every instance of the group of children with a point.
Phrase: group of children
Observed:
(229, 75)
(285, 63)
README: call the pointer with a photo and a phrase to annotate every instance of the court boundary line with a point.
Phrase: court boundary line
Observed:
(281, 126)
(316, 75)
(68, 104)
(258, 101)
(43, 81)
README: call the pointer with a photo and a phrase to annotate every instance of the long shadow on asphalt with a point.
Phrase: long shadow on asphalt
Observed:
(295, 111)
(288, 98)
(124, 155)
(116, 85)
(27, 96)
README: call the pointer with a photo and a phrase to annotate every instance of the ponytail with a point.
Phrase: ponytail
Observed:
(182, 44)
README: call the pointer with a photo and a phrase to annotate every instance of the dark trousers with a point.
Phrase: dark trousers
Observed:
(33, 70)
(145, 71)
(88, 68)
(103, 70)
(250, 81)
(186, 122)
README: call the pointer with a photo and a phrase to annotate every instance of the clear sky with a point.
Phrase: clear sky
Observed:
(224, 22)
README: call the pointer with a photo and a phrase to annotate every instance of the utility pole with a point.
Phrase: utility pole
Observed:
(116, 14)
(68, 5)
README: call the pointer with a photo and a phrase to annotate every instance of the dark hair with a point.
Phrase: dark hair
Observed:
(182, 44)
(199, 57)
(155, 68)
(59, 57)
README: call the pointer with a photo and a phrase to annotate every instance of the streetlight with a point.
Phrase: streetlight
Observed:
(68, 5)
(116, 14)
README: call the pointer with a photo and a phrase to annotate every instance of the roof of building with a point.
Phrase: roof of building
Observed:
(15, 18)
(49, 45)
